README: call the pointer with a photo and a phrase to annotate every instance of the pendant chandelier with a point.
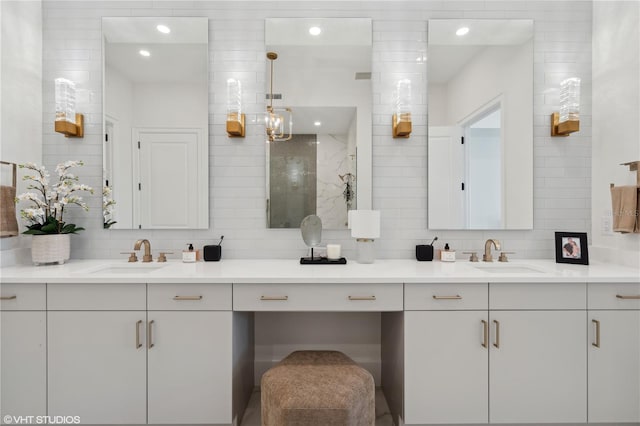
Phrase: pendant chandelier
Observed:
(276, 117)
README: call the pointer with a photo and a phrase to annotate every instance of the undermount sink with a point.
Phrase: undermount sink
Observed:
(508, 269)
(132, 268)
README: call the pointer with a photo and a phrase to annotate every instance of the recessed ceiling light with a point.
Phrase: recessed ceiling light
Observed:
(315, 31)
(145, 53)
(317, 123)
(462, 31)
(163, 29)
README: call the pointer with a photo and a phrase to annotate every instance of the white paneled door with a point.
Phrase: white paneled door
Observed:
(165, 200)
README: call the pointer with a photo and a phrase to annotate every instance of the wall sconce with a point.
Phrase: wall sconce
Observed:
(402, 116)
(68, 122)
(275, 117)
(365, 228)
(235, 117)
(567, 120)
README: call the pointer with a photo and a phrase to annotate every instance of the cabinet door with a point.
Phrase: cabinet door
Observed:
(24, 363)
(614, 367)
(446, 367)
(96, 369)
(537, 367)
(190, 365)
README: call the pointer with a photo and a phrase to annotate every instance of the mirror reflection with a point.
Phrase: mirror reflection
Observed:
(324, 77)
(480, 151)
(155, 151)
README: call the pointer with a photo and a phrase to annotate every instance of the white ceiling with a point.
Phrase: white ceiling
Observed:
(448, 53)
(335, 120)
(335, 31)
(180, 56)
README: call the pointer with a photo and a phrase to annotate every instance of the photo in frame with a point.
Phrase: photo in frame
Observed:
(571, 247)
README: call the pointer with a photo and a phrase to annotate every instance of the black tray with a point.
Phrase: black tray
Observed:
(322, 261)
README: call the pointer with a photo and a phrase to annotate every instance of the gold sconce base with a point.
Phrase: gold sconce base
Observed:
(401, 129)
(235, 128)
(71, 130)
(563, 129)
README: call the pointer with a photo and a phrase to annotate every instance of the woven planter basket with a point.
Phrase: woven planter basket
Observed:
(53, 248)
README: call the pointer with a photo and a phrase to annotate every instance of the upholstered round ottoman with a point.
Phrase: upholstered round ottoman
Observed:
(317, 388)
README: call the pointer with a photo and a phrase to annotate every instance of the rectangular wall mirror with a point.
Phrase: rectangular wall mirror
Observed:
(480, 150)
(155, 103)
(325, 79)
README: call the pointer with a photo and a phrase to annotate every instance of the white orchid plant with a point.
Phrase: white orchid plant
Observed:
(49, 201)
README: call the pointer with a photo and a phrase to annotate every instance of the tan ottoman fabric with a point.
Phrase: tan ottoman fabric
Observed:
(323, 388)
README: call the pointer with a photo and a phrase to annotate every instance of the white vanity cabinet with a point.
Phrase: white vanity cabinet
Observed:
(96, 352)
(137, 353)
(189, 352)
(614, 352)
(537, 362)
(446, 353)
(23, 345)
(502, 353)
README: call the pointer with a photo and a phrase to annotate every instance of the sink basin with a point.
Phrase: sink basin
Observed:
(141, 268)
(508, 269)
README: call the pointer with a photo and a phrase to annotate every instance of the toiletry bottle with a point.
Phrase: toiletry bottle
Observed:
(189, 255)
(447, 255)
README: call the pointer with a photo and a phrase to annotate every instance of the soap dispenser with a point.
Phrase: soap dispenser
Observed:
(189, 255)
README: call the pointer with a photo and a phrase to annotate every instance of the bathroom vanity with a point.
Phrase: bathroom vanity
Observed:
(518, 342)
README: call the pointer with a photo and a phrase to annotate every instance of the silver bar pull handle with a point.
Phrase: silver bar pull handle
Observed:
(597, 342)
(138, 344)
(150, 335)
(456, 297)
(187, 298)
(274, 297)
(373, 297)
(14, 297)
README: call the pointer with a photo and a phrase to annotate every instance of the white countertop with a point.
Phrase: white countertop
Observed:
(290, 271)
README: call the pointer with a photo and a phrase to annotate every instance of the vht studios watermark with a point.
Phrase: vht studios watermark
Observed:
(41, 420)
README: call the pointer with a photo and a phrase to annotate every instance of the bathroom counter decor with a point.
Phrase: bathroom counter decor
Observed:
(290, 271)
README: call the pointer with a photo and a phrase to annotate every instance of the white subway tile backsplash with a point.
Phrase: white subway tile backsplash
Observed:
(72, 48)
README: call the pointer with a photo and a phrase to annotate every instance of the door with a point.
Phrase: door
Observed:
(614, 366)
(24, 364)
(166, 200)
(189, 371)
(537, 367)
(97, 366)
(447, 367)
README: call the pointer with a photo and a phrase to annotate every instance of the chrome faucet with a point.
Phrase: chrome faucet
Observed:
(147, 250)
(486, 257)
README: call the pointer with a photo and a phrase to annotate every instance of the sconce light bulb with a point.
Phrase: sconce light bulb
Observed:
(462, 31)
(163, 29)
(65, 96)
(315, 31)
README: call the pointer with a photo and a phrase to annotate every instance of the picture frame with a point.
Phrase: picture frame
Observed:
(571, 247)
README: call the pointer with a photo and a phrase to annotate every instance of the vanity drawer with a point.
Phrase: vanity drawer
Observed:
(613, 295)
(537, 296)
(189, 297)
(97, 297)
(445, 297)
(23, 297)
(317, 297)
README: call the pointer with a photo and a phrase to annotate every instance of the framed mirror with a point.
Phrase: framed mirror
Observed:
(323, 74)
(155, 103)
(480, 149)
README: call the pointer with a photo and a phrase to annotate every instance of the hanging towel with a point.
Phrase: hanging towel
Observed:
(8, 222)
(625, 209)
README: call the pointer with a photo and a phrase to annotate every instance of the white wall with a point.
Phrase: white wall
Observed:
(20, 97)
(616, 128)
(562, 168)
(498, 72)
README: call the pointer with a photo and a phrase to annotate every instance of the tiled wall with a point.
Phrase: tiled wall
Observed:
(562, 166)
